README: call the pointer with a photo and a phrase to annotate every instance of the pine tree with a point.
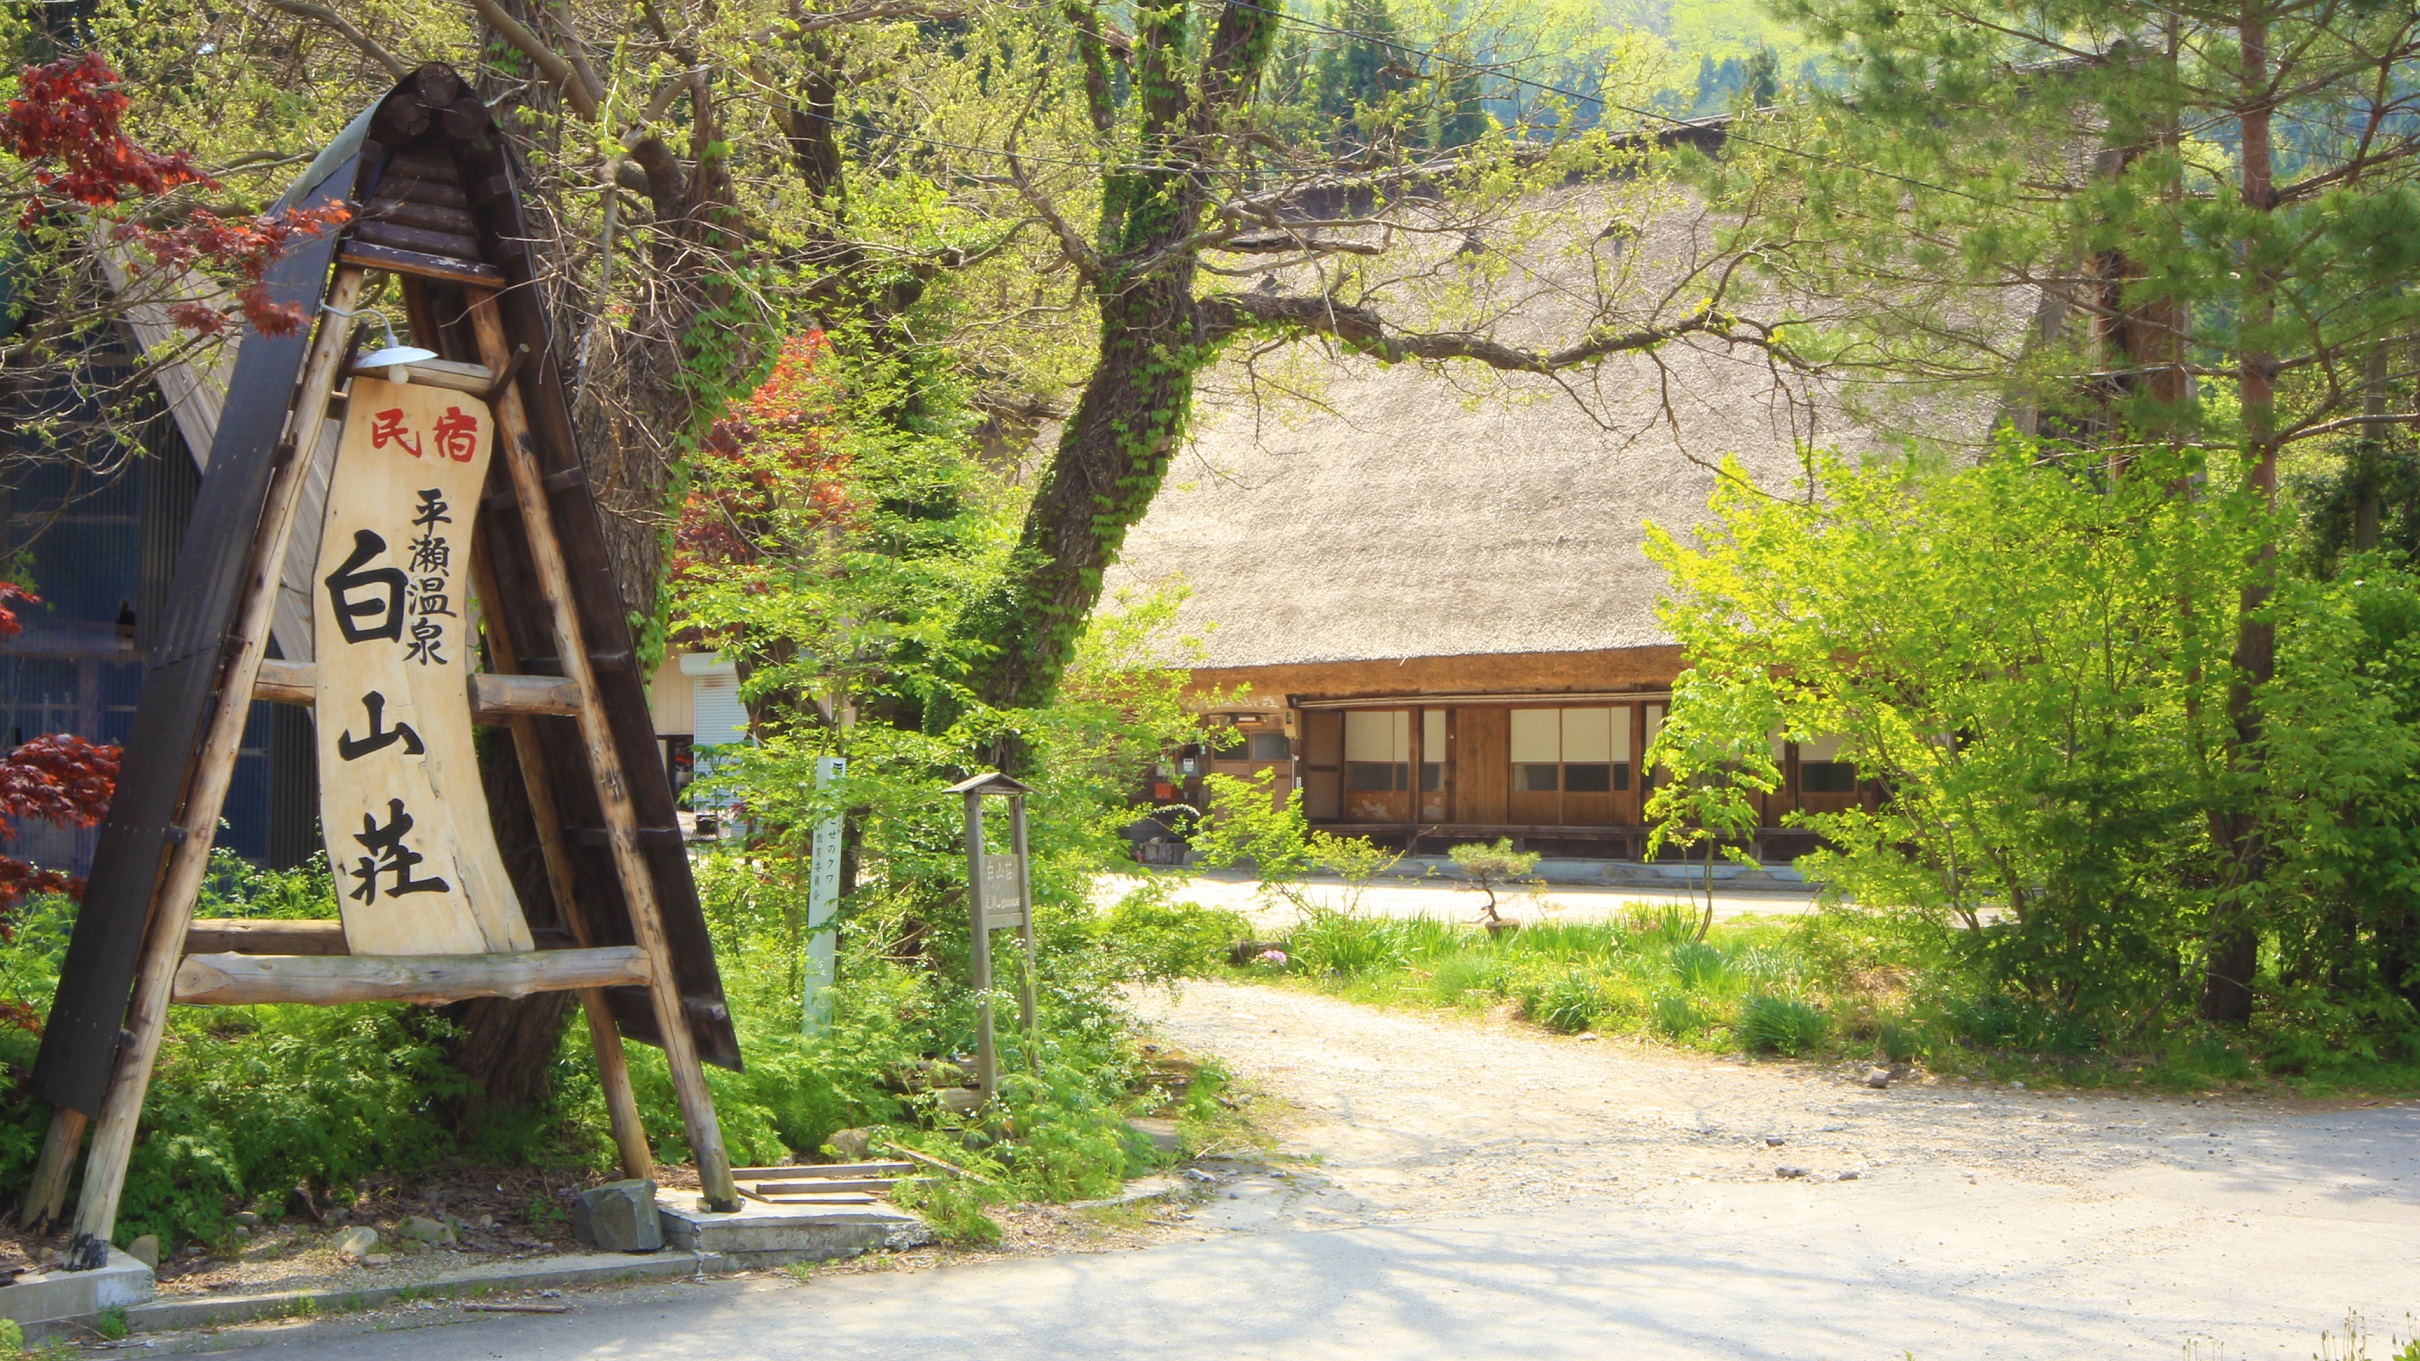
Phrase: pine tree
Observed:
(2211, 211)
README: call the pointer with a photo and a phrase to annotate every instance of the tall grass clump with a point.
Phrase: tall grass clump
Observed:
(1780, 1025)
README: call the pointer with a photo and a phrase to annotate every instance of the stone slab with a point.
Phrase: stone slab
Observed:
(575, 1269)
(48, 1296)
(802, 1232)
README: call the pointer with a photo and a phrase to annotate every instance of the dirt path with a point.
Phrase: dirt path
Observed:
(2246, 1220)
(1417, 1113)
(1483, 1191)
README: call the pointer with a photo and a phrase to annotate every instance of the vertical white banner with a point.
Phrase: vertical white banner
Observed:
(406, 821)
(823, 899)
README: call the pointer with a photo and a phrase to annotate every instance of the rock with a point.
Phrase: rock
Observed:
(1774, 1141)
(619, 1216)
(850, 1145)
(1161, 1133)
(247, 1219)
(146, 1250)
(2021, 1087)
(378, 1259)
(1851, 1175)
(1789, 1173)
(355, 1242)
(240, 1231)
(433, 1232)
(1877, 1078)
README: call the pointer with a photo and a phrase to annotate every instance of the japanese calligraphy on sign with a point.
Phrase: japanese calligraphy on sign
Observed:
(400, 800)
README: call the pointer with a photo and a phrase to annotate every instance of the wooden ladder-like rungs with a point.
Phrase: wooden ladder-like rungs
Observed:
(322, 980)
(495, 699)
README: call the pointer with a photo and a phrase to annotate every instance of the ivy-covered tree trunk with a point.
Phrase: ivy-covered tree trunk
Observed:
(1132, 413)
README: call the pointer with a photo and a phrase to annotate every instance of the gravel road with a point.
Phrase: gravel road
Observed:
(1464, 1188)
(2133, 1220)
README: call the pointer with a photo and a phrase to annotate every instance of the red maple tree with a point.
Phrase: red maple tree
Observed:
(57, 778)
(67, 124)
(773, 452)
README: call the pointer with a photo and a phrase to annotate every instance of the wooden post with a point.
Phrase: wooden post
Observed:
(613, 1066)
(978, 912)
(613, 783)
(47, 1194)
(1025, 925)
(214, 767)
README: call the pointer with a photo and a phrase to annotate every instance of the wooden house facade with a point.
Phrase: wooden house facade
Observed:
(1433, 613)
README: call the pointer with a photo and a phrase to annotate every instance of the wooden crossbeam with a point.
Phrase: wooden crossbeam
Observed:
(229, 980)
(264, 936)
(496, 700)
(420, 264)
(314, 936)
(476, 379)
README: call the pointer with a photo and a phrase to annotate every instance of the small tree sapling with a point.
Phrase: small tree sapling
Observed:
(1490, 867)
(1710, 755)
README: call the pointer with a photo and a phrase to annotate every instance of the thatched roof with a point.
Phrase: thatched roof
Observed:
(1414, 518)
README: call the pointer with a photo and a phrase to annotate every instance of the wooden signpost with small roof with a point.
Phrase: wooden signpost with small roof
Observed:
(458, 515)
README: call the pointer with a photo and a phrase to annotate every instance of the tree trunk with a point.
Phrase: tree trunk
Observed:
(2234, 947)
(1110, 464)
(1116, 449)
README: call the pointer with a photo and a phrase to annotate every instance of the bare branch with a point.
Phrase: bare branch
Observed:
(344, 28)
(1363, 330)
(583, 101)
(877, 12)
(1273, 243)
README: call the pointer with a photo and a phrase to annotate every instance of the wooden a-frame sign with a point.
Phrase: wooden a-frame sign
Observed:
(455, 480)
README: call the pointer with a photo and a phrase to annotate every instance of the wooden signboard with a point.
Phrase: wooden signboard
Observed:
(399, 796)
(463, 483)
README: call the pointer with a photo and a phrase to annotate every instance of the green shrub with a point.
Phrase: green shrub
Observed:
(1995, 1021)
(1780, 1025)
(1460, 974)
(1568, 1001)
(1900, 1042)
(1676, 1017)
(1070, 1143)
(1157, 939)
(1699, 966)
(1650, 925)
(952, 1207)
(1346, 945)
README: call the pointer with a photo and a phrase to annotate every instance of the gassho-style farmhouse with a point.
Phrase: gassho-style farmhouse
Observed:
(1432, 614)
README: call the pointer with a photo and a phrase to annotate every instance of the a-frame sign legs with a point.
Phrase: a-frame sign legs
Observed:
(613, 1066)
(520, 456)
(214, 767)
(47, 1193)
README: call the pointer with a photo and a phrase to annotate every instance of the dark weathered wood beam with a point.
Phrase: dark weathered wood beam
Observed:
(322, 980)
(495, 699)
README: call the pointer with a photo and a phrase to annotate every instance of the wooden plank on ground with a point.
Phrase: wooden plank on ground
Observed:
(807, 1185)
(881, 1169)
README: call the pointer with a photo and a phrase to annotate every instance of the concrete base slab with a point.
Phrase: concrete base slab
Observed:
(47, 1296)
(799, 1232)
